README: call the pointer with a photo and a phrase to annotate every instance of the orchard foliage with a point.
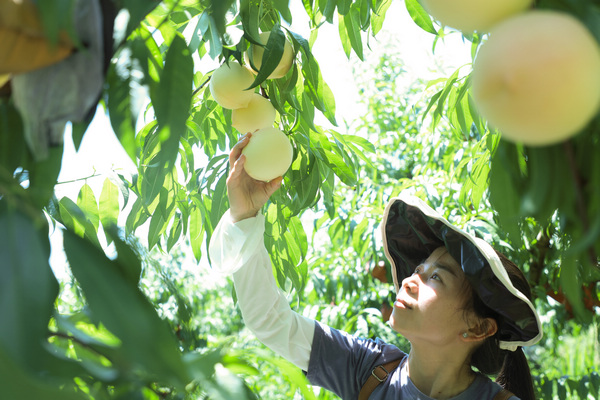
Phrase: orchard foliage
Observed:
(145, 331)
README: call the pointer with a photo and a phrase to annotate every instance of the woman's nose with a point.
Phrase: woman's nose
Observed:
(410, 283)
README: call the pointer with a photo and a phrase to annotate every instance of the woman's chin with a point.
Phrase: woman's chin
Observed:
(393, 322)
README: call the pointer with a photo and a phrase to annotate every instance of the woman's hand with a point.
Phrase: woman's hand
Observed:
(246, 195)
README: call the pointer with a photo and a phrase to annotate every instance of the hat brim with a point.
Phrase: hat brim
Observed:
(412, 230)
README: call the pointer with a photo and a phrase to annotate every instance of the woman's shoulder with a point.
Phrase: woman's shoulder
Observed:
(341, 362)
(375, 349)
(484, 388)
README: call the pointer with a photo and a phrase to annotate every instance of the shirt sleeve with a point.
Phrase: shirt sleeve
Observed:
(341, 363)
(238, 249)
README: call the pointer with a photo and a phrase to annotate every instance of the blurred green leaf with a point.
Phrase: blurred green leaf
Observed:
(173, 100)
(19, 384)
(43, 176)
(147, 341)
(13, 148)
(219, 11)
(28, 287)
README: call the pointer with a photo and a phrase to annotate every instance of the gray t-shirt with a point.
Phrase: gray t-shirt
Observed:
(341, 363)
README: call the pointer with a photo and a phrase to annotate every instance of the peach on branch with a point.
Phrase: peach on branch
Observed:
(537, 78)
(268, 154)
(473, 15)
(257, 53)
(229, 85)
(259, 114)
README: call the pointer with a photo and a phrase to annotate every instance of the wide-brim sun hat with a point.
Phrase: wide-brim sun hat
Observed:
(412, 230)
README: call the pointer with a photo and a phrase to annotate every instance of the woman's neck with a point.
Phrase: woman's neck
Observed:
(439, 373)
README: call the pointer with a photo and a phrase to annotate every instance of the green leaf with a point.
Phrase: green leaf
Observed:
(109, 204)
(125, 80)
(219, 200)
(379, 15)
(137, 10)
(365, 14)
(127, 259)
(175, 232)
(173, 99)
(214, 39)
(571, 284)
(28, 288)
(318, 91)
(19, 384)
(271, 56)
(352, 23)
(78, 130)
(43, 176)
(196, 229)
(420, 16)
(12, 141)
(343, 6)
(147, 341)
(161, 216)
(344, 38)
(300, 43)
(219, 10)
(58, 17)
(86, 201)
(75, 219)
(171, 104)
(284, 9)
(328, 9)
(249, 13)
(504, 184)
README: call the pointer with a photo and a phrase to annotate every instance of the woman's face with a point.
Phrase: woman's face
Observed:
(429, 307)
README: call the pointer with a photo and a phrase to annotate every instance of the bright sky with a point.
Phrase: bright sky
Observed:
(100, 152)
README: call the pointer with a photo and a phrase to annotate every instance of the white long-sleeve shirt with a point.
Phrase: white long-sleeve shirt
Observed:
(238, 249)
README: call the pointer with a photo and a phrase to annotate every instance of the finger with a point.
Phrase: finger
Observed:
(236, 151)
(238, 167)
(273, 185)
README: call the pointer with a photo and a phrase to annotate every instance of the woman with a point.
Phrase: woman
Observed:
(459, 303)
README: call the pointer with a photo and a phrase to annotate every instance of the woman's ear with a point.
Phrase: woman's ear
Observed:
(481, 330)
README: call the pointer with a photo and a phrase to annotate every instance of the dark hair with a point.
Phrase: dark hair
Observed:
(510, 367)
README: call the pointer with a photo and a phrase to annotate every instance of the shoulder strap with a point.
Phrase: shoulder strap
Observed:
(503, 395)
(381, 372)
(379, 375)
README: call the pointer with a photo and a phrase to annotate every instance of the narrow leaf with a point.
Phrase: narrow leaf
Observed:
(147, 342)
(28, 288)
(109, 204)
(271, 56)
(420, 16)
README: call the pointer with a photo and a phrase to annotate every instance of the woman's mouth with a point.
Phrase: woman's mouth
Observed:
(401, 304)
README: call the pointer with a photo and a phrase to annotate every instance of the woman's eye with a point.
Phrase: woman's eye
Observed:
(436, 276)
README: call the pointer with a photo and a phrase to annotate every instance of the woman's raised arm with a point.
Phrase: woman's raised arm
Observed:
(237, 247)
